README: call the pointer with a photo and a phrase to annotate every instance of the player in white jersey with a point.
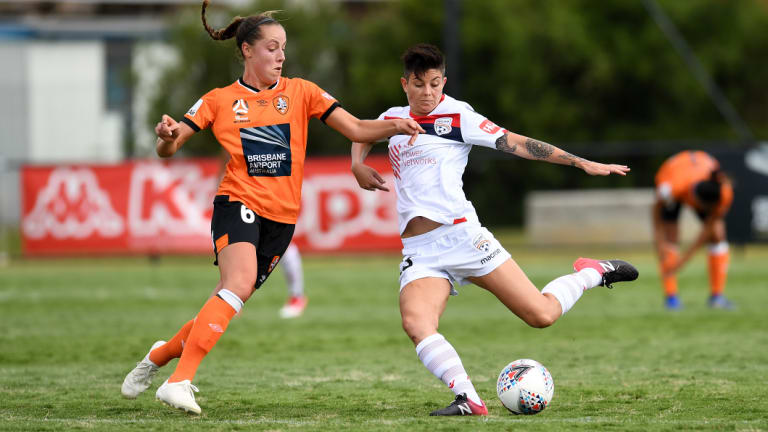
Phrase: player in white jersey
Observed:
(294, 279)
(443, 241)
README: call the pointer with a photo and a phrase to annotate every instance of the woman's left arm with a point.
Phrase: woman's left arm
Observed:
(533, 149)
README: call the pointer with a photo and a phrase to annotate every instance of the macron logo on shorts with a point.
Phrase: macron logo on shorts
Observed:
(492, 255)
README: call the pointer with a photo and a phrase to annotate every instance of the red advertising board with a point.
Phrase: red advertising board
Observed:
(156, 207)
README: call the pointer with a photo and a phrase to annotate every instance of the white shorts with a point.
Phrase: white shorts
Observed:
(453, 252)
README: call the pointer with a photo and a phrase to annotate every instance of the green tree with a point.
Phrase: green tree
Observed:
(596, 78)
(314, 33)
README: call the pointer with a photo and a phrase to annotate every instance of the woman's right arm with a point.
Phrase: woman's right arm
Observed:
(367, 177)
(171, 135)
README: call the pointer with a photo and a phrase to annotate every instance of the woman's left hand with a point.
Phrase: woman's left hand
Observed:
(596, 168)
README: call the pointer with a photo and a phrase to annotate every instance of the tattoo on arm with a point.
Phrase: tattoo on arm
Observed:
(571, 158)
(503, 145)
(538, 149)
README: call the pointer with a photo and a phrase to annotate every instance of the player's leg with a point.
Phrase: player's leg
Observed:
(162, 352)
(294, 278)
(669, 253)
(512, 287)
(237, 265)
(235, 239)
(718, 260)
(173, 348)
(422, 302)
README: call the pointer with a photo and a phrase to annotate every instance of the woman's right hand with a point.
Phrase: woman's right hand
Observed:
(368, 178)
(409, 127)
(167, 129)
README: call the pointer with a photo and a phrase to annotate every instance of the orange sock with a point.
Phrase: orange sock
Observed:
(718, 271)
(210, 324)
(172, 349)
(670, 258)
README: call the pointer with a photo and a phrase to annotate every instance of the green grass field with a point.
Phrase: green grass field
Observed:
(72, 329)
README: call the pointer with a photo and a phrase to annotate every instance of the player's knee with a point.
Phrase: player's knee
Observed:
(418, 328)
(242, 285)
(540, 319)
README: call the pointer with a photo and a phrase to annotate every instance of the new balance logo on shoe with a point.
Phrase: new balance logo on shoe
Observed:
(462, 406)
(610, 270)
(607, 266)
(465, 409)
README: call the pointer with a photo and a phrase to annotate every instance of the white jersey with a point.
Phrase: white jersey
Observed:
(428, 173)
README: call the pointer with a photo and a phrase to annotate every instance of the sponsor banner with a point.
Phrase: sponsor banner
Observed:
(747, 220)
(338, 215)
(156, 207)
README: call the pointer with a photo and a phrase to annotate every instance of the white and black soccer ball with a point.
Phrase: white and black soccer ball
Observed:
(525, 386)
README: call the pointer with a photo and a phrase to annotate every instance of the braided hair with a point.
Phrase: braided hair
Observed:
(243, 29)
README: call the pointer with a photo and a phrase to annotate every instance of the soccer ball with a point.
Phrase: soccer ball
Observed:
(525, 387)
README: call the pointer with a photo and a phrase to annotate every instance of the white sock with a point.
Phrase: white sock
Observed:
(438, 355)
(569, 288)
(231, 298)
(294, 276)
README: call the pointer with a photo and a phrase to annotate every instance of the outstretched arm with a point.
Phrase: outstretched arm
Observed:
(533, 149)
(370, 130)
(367, 177)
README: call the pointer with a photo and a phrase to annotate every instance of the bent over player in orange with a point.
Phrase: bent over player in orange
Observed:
(261, 121)
(692, 178)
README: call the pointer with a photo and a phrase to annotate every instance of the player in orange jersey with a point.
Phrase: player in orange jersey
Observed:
(692, 178)
(261, 121)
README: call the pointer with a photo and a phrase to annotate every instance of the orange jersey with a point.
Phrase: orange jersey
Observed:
(679, 175)
(265, 134)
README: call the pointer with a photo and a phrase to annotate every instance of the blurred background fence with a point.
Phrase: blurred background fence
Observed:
(624, 81)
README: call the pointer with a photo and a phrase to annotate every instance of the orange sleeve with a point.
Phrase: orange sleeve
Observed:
(203, 113)
(319, 103)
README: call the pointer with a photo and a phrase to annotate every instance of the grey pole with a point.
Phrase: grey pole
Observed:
(697, 69)
(452, 46)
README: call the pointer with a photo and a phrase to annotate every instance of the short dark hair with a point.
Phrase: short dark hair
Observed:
(708, 191)
(420, 58)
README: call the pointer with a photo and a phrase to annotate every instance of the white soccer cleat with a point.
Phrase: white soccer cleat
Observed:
(179, 395)
(140, 378)
(294, 307)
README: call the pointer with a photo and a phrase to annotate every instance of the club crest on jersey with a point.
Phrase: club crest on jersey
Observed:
(481, 243)
(443, 126)
(281, 103)
(240, 107)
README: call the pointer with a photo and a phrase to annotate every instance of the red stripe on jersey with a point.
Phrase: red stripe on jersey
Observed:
(430, 119)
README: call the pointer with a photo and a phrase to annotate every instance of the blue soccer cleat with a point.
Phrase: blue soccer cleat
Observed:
(718, 301)
(672, 302)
